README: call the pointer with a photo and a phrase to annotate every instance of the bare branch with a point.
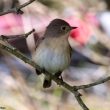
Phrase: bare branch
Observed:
(93, 84)
(9, 37)
(17, 9)
(80, 101)
(72, 89)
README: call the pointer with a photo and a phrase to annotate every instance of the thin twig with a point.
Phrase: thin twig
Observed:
(93, 84)
(80, 101)
(17, 9)
(10, 37)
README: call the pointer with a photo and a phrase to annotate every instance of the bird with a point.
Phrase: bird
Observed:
(53, 51)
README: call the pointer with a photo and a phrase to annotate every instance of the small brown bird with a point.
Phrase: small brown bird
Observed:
(53, 53)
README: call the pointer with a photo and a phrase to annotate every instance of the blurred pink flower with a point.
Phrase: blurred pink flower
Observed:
(11, 24)
(91, 18)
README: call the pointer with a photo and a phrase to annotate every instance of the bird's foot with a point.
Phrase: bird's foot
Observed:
(60, 77)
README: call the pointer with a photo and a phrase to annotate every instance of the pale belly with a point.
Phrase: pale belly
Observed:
(51, 60)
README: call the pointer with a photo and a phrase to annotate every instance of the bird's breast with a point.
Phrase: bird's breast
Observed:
(53, 55)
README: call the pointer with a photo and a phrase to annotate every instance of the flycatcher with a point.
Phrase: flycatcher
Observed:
(53, 53)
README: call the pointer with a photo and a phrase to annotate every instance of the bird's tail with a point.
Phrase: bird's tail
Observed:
(47, 82)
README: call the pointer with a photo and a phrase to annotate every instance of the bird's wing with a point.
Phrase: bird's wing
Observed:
(38, 41)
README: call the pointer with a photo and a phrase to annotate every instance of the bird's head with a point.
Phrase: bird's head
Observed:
(57, 28)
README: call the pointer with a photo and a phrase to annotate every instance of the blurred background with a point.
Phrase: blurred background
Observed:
(21, 88)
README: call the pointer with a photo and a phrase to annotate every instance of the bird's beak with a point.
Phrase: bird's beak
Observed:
(73, 28)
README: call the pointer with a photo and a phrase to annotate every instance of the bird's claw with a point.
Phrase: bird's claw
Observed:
(61, 77)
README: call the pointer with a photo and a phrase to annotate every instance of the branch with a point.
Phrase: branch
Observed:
(17, 9)
(73, 89)
(93, 84)
(9, 37)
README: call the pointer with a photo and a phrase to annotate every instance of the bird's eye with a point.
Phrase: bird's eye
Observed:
(63, 28)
